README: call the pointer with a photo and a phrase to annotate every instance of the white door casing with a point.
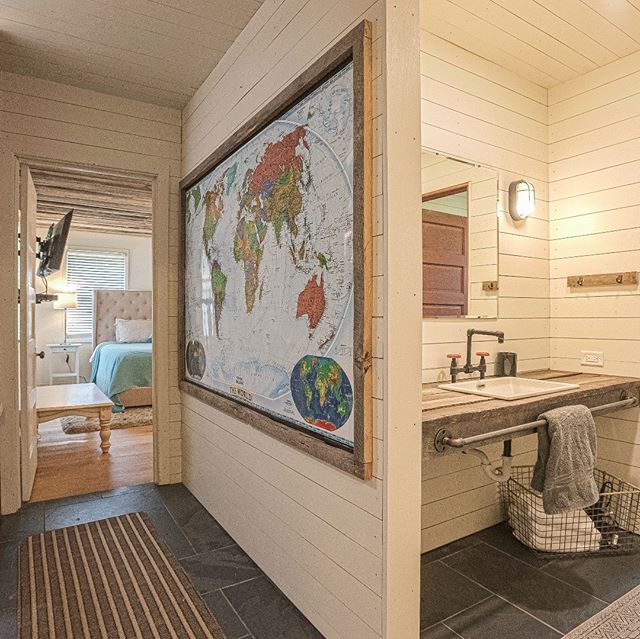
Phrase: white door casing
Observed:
(28, 417)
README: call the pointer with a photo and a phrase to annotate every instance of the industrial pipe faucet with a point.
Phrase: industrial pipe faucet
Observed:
(468, 367)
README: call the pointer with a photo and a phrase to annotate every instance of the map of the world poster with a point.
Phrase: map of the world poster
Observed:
(269, 299)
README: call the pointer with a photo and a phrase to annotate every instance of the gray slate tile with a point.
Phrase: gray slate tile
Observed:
(497, 619)
(501, 537)
(607, 577)
(201, 529)
(8, 574)
(449, 549)
(219, 568)
(268, 613)
(8, 622)
(445, 592)
(83, 512)
(226, 616)
(556, 603)
(28, 521)
(439, 631)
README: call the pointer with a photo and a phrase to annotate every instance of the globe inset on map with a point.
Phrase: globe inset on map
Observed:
(196, 359)
(321, 392)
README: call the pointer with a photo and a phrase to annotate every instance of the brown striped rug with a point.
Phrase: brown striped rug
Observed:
(109, 579)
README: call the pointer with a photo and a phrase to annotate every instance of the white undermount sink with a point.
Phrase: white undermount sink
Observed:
(508, 388)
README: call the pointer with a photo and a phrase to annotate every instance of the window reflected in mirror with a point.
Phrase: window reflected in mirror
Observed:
(459, 238)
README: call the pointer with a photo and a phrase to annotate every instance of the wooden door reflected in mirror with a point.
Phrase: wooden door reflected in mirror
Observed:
(445, 248)
(459, 238)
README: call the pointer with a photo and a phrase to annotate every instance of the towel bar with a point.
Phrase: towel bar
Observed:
(444, 438)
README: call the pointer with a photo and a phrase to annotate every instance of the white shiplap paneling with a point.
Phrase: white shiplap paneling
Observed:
(65, 124)
(476, 110)
(320, 534)
(594, 138)
(155, 51)
(544, 41)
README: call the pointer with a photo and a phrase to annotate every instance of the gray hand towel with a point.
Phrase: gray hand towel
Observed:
(566, 460)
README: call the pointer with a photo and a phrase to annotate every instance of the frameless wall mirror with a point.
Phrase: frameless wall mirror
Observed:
(459, 238)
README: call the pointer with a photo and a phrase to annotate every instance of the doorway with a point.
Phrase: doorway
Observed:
(15, 466)
(90, 298)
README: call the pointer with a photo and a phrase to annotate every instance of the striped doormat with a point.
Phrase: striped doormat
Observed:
(108, 579)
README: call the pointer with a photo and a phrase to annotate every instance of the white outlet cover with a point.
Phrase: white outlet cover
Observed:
(592, 358)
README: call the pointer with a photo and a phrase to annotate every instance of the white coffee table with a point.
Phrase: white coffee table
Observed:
(85, 400)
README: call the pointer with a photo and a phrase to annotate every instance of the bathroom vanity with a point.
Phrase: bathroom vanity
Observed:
(465, 415)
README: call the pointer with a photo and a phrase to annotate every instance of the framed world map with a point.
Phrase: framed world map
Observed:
(277, 266)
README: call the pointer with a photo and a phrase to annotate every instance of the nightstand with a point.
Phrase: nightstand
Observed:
(67, 350)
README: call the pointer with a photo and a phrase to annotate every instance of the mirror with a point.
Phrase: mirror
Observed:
(459, 238)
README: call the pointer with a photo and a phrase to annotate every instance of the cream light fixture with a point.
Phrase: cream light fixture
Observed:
(522, 199)
(65, 301)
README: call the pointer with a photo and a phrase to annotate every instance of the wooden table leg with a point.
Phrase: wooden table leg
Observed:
(105, 429)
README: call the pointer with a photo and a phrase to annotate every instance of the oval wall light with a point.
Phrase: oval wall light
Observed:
(522, 199)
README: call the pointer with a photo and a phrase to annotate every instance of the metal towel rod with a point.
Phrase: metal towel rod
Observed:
(444, 438)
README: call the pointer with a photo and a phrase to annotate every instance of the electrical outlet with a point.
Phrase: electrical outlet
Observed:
(592, 358)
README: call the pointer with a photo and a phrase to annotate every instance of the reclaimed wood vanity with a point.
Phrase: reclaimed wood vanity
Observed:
(466, 415)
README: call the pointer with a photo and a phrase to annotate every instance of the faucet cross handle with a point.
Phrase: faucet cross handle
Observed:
(483, 354)
(454, 356)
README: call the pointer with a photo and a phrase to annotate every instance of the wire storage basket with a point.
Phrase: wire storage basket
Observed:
(612, 525)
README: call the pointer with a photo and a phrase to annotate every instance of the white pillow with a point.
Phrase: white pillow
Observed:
(129, 331)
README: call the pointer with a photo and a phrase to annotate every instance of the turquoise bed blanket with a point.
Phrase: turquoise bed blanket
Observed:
(116, 368)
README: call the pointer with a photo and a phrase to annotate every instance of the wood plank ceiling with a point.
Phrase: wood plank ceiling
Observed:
(545, 41)
(102, 202)
(157, 51)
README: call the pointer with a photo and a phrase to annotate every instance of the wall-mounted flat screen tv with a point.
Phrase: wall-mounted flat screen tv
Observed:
(53, 246)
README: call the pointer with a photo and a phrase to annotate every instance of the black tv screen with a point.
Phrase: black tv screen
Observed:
(53, 246)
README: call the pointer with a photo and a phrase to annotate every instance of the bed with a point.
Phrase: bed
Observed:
(121, 371)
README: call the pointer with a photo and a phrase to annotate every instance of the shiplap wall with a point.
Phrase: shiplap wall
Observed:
(594, 182)
(476, 110)
(316, 531)
(60, 123)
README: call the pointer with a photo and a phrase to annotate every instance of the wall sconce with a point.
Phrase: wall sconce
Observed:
(522, 199)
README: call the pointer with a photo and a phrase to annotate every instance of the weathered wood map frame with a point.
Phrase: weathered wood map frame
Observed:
(355, 47)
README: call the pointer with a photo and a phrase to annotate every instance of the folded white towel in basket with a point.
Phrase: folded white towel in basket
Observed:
(569, 532)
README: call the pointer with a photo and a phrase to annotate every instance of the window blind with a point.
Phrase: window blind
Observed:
(88, 270)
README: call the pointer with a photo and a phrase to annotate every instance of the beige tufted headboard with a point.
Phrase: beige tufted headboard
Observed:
(110, 305)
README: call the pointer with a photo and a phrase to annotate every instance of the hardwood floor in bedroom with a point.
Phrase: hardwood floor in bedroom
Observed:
(70, 465)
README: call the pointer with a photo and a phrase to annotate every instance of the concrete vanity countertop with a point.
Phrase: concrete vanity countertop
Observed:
(466, 415)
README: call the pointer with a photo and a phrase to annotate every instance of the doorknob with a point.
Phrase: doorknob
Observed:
(40, 354)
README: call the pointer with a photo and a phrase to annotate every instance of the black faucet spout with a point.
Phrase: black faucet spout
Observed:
(468, 367)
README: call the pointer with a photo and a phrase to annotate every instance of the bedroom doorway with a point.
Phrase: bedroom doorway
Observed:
(93, 330)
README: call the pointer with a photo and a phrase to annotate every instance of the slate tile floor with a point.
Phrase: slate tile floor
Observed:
(245, 602)
(486, 586)
(489, 586)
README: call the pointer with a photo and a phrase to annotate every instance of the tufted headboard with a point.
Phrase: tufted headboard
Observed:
(110, 305)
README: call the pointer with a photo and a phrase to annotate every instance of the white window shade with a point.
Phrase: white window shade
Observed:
(88, 270)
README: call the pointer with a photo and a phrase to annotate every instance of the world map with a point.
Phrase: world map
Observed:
(269, 267)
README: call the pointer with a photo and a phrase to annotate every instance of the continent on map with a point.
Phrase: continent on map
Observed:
(321, 392)
(196, 196)
(248, 248)
(196, 359)
(219, 287)
(311, 301)
(213, 210)
(271, 194)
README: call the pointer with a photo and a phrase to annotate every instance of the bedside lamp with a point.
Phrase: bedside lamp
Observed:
(65, 301)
